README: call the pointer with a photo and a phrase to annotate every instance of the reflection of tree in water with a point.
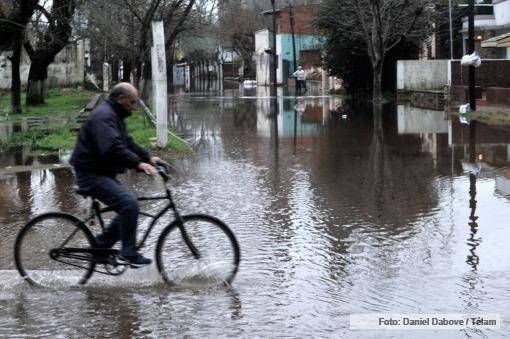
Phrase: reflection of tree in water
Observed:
(196, 121)
(64, 192)
(397, 181)
(24, 180)
(377, 167)
(370, 179)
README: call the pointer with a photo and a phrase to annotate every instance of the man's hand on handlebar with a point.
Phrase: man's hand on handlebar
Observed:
(158, 161)
(147, 168)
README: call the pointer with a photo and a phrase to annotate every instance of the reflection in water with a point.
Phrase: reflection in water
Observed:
(473, 242)
(122, 317)
(338, 210)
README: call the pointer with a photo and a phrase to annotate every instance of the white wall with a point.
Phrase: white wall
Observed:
(261, 41)
(502, 11)
(422, 74)
(262, 62)
(67, 69)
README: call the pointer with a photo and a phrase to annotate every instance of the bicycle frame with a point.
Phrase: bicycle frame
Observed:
(97, 212)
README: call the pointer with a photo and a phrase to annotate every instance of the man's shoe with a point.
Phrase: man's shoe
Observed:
(134, 261)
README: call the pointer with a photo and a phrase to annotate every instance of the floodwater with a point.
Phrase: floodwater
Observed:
(337, 211)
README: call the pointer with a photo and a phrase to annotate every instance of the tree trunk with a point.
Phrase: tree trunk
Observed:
(170, 66)
(37, 86)
(141, 59)
(16, 81)
(377, 68)
(126, 70)
(115, 70)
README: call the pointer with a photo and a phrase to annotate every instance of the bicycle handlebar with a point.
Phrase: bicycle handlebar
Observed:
(163, 170)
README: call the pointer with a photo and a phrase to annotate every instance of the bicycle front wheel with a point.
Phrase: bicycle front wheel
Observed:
(39, 241)
(217, 246)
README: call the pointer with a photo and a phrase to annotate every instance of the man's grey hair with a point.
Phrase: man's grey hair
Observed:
(117, 91)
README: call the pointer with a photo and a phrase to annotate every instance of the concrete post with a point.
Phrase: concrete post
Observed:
(187, 78)
(220, 76)
(106, 77)
(325, 82)
(159, 93)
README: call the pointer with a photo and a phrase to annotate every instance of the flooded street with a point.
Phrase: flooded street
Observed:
(336, 212)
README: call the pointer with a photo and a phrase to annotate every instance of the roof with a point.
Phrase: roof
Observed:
(502, 40)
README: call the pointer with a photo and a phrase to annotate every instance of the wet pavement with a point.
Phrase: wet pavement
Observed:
(336, 211)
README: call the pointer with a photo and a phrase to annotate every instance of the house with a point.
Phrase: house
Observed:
(492, 28)
(305, 40)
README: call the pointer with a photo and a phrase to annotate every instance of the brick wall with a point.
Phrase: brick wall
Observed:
(498, 96)
(485, 134)
(460, 94)
(310, 58)
(303, 20)
(492, 73)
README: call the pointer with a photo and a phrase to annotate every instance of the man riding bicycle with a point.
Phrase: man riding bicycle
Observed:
(104, 149)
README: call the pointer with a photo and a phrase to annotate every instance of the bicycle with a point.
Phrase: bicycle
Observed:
(76, 256)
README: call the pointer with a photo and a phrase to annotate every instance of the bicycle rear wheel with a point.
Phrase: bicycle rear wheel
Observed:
(217, 245)
(40, 237)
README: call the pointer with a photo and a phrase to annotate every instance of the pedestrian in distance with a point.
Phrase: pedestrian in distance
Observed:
(300, 76)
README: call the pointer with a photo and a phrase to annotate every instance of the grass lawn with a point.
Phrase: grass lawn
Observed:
(70, 101)
(144, 133)
(495, 118)
(59, 101)
(492, 118)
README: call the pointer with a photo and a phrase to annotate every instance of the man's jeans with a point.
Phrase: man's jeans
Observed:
(111, 193)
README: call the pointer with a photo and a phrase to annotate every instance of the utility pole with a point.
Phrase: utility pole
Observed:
(275, 56)
(472, 93)
(471, 49)
(159, 83)
(291, 15)
(451, 28)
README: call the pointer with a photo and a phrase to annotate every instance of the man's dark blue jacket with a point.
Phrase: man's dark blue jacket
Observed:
(104, 147)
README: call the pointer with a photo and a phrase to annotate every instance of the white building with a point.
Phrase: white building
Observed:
(492, 26)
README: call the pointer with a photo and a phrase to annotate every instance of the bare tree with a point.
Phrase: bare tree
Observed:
(109, 41)
(237, 29)
(378, 25)
(129, 37)
(53, 35)
(14, 16)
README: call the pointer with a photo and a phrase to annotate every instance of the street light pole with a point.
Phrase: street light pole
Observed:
(291, 14)
(275, 57)
(451, 28)
(472, 94)
(471, 50)
(272, 70)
